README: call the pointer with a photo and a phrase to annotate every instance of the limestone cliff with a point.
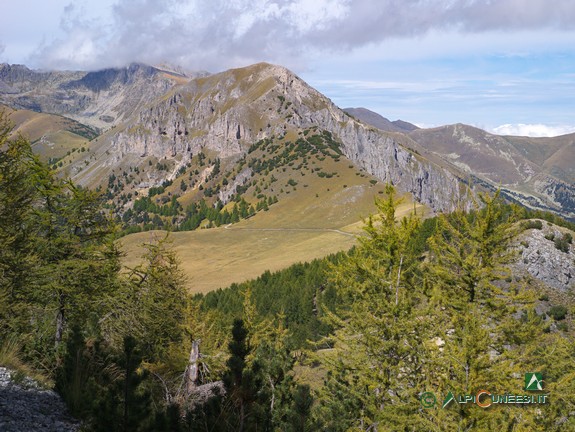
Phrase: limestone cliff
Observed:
(543, 260)
(227, 112)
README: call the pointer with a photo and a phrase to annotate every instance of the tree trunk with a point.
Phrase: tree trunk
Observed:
(192, 369)
(398, 279)
(60, 321)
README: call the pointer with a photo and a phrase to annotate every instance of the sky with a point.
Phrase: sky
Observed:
(507, 66)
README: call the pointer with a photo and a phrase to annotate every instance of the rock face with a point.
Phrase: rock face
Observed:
(25, 407)
(542, 260)
(99, 99)
(227, 112)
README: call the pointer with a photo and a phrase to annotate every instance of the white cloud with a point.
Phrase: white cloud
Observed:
(222, 33)
(533, 130)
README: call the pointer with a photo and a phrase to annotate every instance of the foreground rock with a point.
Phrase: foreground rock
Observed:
(24, 406)
(543, 260)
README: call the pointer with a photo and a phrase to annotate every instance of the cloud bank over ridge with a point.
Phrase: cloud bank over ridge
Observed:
(222, 33)
(533, 130)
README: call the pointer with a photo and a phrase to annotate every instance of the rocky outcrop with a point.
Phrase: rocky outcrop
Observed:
(544, 261)
(25, 407)
(241, 179)
(100, 99)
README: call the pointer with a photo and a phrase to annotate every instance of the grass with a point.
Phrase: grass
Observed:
(300, 227)
(218, 257)
(10, 358)
(56, 131)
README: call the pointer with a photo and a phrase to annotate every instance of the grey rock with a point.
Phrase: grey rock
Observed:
(25, 407)
(543, 261)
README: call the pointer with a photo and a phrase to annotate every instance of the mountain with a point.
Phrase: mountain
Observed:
(262, 159)
(536, 172)
(147, 114)
(376, 120)
(226, 113)
(100, 99)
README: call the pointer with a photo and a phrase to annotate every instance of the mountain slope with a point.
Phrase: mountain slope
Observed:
(376, 120)
(555, 156)
(56, 139)
(100, 99)
(533, 171)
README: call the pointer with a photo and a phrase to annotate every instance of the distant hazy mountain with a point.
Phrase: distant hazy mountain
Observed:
(380, 122)
(99, 99)
(537, 172)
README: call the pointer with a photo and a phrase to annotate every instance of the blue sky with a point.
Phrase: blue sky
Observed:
(503, 65)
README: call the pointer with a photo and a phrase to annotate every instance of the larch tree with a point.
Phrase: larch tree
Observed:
(478, 303)
(377, 365)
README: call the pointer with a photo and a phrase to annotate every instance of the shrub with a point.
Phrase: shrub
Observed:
(558, 312)
(562, 243)
(532, 224)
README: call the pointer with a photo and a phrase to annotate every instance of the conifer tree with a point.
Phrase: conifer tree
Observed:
(242, 383)
(58, 259)
(477, 304)
(153, 302)
(377, 365)
(18, 195)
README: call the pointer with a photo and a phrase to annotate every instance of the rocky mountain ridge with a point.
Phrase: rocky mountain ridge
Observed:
(99, 99)
(227, 112)
(148, 114)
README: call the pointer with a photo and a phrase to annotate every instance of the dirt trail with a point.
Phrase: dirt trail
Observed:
(228, 227)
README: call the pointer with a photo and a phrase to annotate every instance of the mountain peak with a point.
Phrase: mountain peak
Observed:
(374, 119)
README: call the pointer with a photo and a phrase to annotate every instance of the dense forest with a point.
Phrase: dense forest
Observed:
(347, 343)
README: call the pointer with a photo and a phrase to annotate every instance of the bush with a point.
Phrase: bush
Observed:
(562, 243)
(532, 224)
(558, 313)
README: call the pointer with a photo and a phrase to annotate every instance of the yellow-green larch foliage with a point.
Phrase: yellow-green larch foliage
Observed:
(377, 363)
